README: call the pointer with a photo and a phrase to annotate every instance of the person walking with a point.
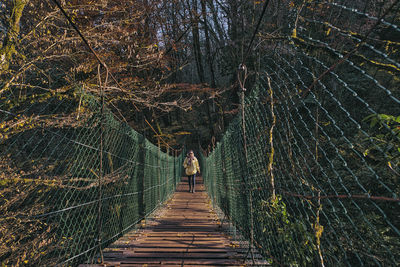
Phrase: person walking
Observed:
(191, 165)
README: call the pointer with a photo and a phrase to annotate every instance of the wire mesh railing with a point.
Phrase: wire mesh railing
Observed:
(310, 172)
(73, 179)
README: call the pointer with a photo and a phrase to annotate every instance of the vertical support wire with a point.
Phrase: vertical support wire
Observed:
(159, 172)
(101, 172)
(271, 140)
(168, 172)
(242, 81)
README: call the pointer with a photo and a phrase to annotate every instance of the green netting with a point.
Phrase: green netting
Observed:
(317, 180)
(73, 179)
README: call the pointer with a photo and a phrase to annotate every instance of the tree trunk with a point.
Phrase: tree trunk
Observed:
(216, 21)
(194, 17)
(7, 50)
(210, 110)
(208, 47)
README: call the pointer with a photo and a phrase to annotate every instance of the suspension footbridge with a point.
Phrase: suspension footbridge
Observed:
(307, 173)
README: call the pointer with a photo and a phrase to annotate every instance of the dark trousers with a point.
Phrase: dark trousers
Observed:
(192, 182)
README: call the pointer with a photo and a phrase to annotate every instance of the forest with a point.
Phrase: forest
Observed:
(163, 58)
(298, 100)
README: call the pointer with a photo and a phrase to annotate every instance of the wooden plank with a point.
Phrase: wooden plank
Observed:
(163, 249)
(171, 238)
(214, 262)
(160, 247)
(158, 265)
(175, 255)
(166, 264)
(200, 234)
(186, 243)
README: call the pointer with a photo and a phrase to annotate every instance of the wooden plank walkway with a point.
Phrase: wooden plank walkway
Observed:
(184, 233)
